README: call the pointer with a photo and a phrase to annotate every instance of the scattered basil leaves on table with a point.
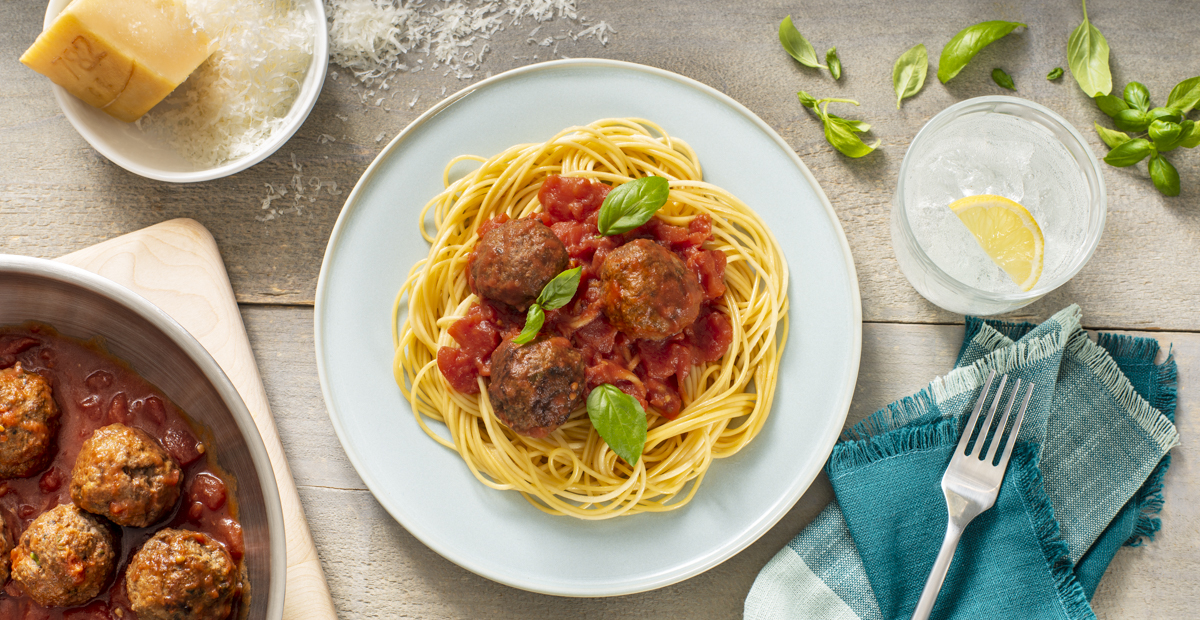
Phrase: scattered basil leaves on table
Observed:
(1111, 137)
(968, 42)
(557, 293)
(1129, 153)
(1164, 135)
(1192, 140)
(1185, 95)
(1087, 56)
(1131, 120)
(620, 421)
(1164, 114)
(835, 63)
(1164, 175)
(908, 74)
(797, 45)
(632, 204)
(839, 132)
(1111, 105)
(1002, 79)
(1137, 96)
(1054, 74)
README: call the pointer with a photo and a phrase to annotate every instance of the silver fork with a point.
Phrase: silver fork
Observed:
(972, 482)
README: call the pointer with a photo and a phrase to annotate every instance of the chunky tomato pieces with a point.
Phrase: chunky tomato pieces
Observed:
(649, 370)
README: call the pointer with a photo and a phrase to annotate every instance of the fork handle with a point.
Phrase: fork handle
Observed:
(933, 585)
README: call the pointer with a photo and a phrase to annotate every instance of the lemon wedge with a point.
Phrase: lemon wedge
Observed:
(1007, 232)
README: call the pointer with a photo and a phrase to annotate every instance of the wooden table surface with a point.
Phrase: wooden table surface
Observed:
(58, 195)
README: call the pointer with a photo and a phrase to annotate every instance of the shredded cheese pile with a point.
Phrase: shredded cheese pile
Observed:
(238, 97)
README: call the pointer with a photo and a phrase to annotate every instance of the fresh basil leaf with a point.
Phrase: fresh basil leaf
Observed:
(835, 63)
(560, 290)
(1087, 56)
(807, 100)
(844, 139)
(1111, 137)
(1164, 114)
(632, 204)
(1002, 80)
(1054, 74)
(797, 45)
(1129, 153)
(533, 324)
(1164, 134)
(852, 125)
(1185, 95)
(1192, 139)
(1137, 96)
(1131, 120)
(1164, 175)
(620, 420)
(968, 42)
(1111, 105)
(908, 74)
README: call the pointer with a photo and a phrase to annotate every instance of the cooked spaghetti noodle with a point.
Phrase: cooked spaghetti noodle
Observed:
(571, 471)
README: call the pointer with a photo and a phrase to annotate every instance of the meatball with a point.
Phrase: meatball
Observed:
(64, 557)
(123, 474)
(535, 387)
(28, 422)
(648, 292)
(6, 545)
(182, 575)
(515, 260)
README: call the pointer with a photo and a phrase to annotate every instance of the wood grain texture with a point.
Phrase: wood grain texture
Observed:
(58, 195)
(377, 570)
(176, 266)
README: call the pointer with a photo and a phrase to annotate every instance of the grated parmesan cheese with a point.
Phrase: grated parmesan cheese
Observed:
(238, 97)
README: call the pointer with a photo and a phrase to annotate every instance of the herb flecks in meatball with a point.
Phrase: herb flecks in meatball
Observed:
(123, 474)
(648, 292)
(514, 260)
(182, 575)
(64, 558)
(535, 387)
(28, 422)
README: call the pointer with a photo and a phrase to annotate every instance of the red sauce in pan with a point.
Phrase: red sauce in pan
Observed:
(94, 389)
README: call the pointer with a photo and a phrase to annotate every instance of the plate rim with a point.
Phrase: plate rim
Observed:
(664, 578)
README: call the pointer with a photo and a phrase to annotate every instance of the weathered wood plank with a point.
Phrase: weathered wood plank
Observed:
(58, 195)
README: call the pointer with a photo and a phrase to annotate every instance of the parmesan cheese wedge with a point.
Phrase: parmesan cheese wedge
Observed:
(122, 56)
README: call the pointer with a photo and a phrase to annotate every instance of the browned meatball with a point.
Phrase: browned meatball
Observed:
(536, 386)
(28, 422)
(515, 260)
(648, 292)
(6, 545)
(181, 575)
(123, 474)
(64, 557)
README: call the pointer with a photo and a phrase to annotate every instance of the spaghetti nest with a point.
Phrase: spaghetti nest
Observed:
(572, 471)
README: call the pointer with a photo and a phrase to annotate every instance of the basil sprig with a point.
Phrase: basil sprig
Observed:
(1164, 175)
(1087, 56)
(968, 42)
(1002, 79)
(1054, 74)
(557, 293)
(908, 74)
(839, 132)
(835, 63)
(797, 45)
(632, 204)
(620, 420)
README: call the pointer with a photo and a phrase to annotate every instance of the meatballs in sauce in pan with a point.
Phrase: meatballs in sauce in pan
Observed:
(109, 502)
(643, 316)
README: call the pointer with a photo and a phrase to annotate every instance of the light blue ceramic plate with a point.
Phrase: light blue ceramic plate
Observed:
(497, 534)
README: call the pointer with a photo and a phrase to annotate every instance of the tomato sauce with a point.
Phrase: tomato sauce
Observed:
(94, 389)
(649, 370)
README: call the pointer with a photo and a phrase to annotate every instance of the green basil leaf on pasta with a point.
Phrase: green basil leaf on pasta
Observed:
(1137, 96)
(1054, 74)
(797, 45)
(908, 74)
(1185, 95)
(1111, 105)
(1111, 137)
(533, 324)
(620, 421)
(560, 290)
(968, 42)
(1129, 153)
(835, 63)
(1002, 79)
(632, 204)
(1164, 175)
(1087, 56)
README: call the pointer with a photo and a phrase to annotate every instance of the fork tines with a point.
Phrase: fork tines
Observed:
(966, 446)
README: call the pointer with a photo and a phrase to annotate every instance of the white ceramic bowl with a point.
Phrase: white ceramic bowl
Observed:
(143, 154)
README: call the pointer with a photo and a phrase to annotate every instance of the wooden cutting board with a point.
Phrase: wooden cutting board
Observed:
(177, 267)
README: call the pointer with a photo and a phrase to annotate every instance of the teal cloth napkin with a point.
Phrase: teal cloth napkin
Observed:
(1085, 479)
